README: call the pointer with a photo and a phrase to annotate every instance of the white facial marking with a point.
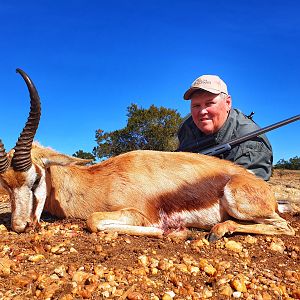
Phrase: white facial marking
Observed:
(23, 202)
(23, 206)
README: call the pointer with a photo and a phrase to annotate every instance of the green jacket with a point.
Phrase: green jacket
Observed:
(255, 155)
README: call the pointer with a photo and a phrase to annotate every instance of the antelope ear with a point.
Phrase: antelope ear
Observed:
(10, 154)
(80, 161)
(64, 160)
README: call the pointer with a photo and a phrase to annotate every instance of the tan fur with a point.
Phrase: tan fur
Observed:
(14, 179)
(161, 190)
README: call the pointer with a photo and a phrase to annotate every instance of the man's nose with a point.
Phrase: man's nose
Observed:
(202, 111)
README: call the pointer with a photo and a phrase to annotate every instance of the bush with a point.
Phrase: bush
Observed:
(292, 164)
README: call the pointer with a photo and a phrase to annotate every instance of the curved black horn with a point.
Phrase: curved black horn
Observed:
(3, 159)
(21, 160)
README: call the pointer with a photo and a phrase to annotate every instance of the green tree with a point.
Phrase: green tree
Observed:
(292, 164)
(154, 128)
(84, 155)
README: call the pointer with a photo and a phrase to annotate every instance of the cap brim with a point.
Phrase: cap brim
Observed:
(188, 94)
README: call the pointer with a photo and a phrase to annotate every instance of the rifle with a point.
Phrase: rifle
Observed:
(216, 150)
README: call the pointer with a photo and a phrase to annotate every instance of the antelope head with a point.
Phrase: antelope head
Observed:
(18, 175)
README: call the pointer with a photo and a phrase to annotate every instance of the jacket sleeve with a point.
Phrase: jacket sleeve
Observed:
(255, 156)
(185, 134)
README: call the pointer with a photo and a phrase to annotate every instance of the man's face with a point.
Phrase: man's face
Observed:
(210, 111)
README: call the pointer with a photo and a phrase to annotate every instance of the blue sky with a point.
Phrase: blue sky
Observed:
(91, 59)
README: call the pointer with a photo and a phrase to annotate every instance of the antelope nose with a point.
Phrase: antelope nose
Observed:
(18, 226)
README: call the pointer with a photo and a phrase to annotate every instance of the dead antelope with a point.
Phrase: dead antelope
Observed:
(141, 192)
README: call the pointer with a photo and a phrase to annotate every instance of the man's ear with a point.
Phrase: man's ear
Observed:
(228, 101)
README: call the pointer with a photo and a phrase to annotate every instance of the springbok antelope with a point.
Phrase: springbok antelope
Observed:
(140, 192)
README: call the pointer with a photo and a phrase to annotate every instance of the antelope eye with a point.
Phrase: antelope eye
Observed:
(36, 183)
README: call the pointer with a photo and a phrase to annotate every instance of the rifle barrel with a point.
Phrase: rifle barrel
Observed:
(215, 150)
(263, 130)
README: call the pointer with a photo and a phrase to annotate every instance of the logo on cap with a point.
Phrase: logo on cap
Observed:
(200, 81)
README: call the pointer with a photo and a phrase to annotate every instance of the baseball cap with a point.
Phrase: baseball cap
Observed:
(211, 83)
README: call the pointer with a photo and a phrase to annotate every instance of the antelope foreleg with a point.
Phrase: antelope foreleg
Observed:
(127, 221)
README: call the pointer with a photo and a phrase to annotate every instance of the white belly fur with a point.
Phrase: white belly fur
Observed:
(200, 218)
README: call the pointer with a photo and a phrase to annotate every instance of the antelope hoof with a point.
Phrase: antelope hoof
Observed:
(212, 237)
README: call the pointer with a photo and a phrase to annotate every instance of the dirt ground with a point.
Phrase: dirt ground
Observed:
(64, 261)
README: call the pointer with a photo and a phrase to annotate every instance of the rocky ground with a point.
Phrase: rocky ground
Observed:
(64, 261)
